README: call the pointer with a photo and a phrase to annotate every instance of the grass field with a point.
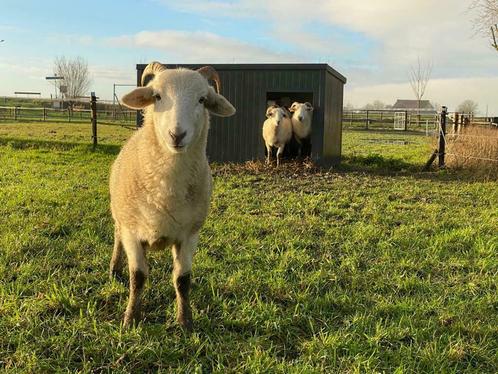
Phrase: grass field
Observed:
(370, 267)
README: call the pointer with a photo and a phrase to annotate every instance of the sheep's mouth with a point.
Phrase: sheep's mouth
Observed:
(178, 148)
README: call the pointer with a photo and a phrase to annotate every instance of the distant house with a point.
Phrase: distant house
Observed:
(412, 105)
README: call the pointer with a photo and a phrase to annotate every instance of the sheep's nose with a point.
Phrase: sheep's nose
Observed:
(300, 118)
(177, 138)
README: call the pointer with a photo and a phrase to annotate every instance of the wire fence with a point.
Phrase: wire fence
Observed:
(468, 142)
(479, 143)
(399, 120)
(19, 113)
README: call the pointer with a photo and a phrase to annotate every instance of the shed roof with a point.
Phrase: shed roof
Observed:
(413, 104)
(326, 67)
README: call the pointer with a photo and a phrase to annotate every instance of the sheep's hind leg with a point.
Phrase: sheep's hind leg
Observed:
(182, 267)
(137, 264)
(268, 154)
(117, 260)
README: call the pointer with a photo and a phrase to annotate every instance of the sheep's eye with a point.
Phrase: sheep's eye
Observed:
(157, 97)
(202, 100)
(285, 115)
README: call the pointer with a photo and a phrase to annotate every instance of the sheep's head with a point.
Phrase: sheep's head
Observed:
(179, 101)
(300, 111)
(277, 114)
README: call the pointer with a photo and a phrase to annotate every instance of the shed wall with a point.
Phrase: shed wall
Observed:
(332, 128)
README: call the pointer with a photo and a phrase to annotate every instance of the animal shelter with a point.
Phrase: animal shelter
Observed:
(252, 87)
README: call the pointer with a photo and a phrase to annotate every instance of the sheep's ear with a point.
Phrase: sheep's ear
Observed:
(292, 109)
(269, 111)
(139, 98)
(308, 106)
(218, 105)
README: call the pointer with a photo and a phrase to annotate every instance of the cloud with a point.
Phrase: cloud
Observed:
(71, 39)
(192, 47)
(12, 29)
(102, 72)
(400, 31)
(33, 68)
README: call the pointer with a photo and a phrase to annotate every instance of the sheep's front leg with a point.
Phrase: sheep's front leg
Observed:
(116, 266)
(268, 153)
(279, 152)
(137, 264)
(300, 149)
(182, 268)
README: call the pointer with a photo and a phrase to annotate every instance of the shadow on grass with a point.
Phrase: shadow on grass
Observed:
(51, 145)
(384, 131)
(369, 165)
(376, 164)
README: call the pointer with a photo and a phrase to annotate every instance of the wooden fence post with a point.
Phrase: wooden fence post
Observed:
(406, 120)
(93, 106)
(366, 122)
(442, 135)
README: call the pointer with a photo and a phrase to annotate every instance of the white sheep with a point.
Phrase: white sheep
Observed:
(277, 130)
(160, 183)
(302, 116)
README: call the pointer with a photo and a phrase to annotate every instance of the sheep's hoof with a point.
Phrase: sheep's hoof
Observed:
(131, 319)
(186, 325)
(185, 320)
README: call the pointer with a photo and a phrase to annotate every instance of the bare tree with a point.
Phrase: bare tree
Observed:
(420, 75)
(468, 107)
(348, 107)
(376, 105)
(486, 20)
(76, 76)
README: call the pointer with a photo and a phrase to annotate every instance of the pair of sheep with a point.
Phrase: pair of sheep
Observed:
(160, 183)
(282, 125)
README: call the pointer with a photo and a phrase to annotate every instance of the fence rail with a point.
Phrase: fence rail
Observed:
(403, 120)
(406, 120)
(17, 113)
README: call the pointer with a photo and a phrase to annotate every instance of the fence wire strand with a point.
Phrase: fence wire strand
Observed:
(472, 136)
(441, 132)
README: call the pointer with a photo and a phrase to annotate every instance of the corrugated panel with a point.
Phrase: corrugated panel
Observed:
(332, 139)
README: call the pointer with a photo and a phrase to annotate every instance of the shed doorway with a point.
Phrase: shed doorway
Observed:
(293, 150)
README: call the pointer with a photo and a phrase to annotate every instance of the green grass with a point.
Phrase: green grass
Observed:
(372, 267)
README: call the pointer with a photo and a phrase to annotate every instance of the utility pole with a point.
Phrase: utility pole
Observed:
(54, 77)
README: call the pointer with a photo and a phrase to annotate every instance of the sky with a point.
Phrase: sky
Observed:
(373, 43)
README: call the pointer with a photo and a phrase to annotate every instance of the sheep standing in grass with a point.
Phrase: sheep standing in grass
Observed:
(160, 183)
(277, 131)
(302, 116)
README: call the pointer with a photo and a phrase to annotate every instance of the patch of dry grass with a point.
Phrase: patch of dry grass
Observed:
(474, 149)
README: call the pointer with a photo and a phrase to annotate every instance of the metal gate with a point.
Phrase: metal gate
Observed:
(399, 121)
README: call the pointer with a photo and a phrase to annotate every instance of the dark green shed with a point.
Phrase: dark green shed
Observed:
(249, 87)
